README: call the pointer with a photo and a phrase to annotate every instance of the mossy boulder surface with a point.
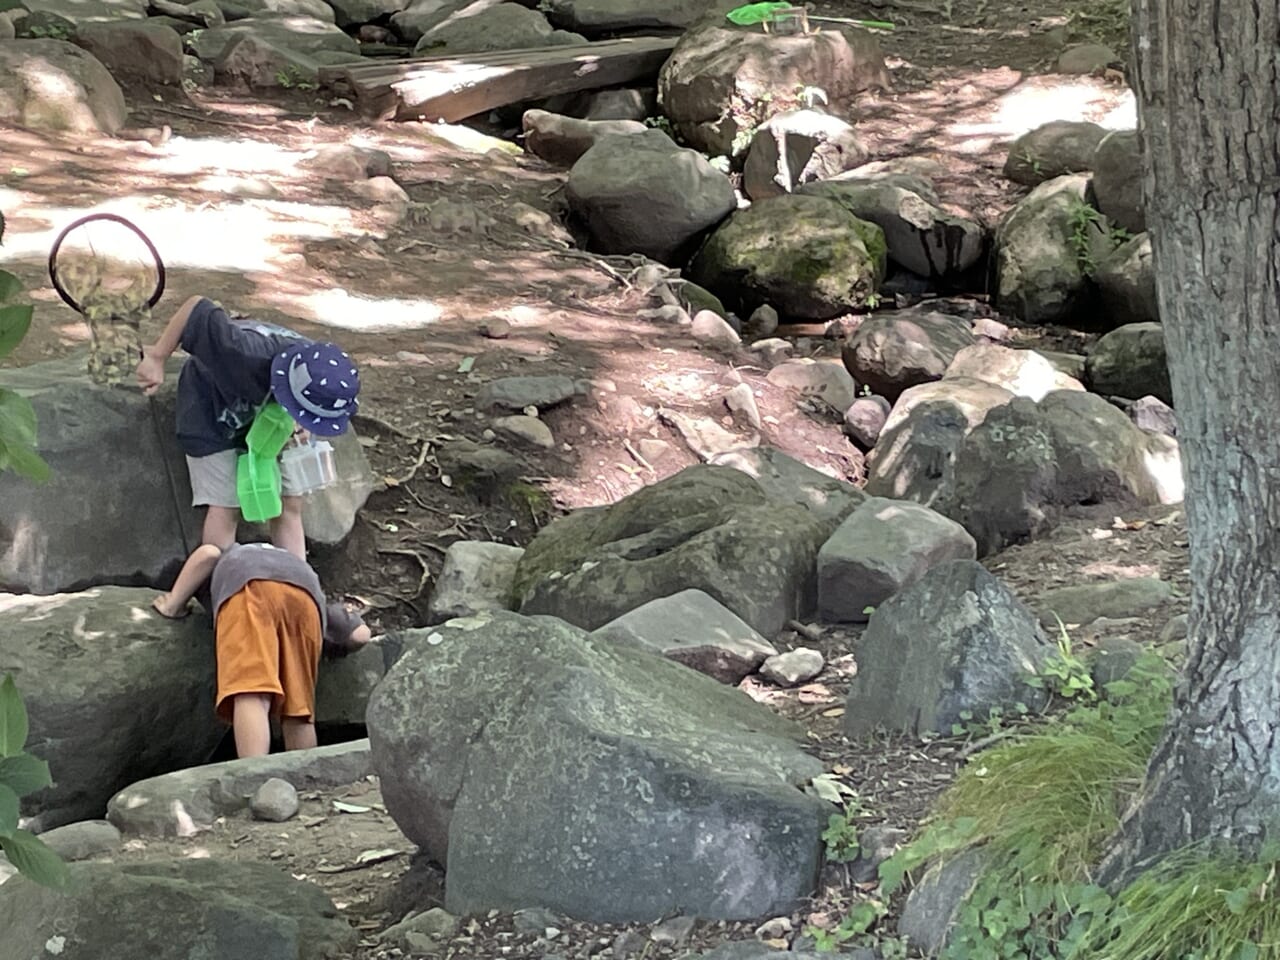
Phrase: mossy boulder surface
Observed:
(806, 256)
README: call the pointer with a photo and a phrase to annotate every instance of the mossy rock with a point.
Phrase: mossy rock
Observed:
(807, 256)
(700, 298)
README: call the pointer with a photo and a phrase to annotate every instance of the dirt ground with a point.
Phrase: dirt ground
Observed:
(237, 218)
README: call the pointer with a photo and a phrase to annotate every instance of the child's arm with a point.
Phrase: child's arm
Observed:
(150, 370)
(197, 569)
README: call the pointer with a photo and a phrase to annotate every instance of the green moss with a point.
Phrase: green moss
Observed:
(530, 499)
(700, 298)
(873, 239)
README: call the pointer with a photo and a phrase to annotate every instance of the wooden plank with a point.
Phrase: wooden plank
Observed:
(452, 88)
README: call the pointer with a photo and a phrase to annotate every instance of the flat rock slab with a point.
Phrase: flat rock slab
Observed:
(1114, 599)
(178, 910)
(183, 803)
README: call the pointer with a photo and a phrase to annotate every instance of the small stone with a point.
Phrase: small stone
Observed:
(864, 420)
(711, 328)
(421, 930)
(534, 920)
(1176, 630)
(775, 929)
(1152, 413)
(516, 393)
(80, 841)
(828, 380)
(673, 931)
(653, 450)
(495, 328)
(773, 350)
(794, 667)
(876, 844)
(742, 401)
(1086, 58)
(526, 429)
(990, 329)
(762, 323)
(629, 943)
(275, 800)
(671, 313)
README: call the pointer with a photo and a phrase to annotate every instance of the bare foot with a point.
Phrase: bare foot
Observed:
(166, 608)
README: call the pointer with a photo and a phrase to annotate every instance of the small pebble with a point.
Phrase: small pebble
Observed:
(495, 328)
(276, 800)
(793, 667)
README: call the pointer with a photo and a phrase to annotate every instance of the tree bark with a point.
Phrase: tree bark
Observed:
(1209, 121)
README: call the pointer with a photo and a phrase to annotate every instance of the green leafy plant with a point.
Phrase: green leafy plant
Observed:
(862, 916)
(1087, 226)
(22, 774)
(1064, 674)
(841, 835)
(17, 417)
(52, 31)
(291, 78)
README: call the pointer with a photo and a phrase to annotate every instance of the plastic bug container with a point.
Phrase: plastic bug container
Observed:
(310, 465)
(271, 430)
(258, 487)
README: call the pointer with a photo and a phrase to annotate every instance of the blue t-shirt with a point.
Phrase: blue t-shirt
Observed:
(226, 378)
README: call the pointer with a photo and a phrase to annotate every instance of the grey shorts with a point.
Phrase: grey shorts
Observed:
(213, 480)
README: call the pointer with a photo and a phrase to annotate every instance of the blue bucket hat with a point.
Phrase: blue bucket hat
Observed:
(317, 383)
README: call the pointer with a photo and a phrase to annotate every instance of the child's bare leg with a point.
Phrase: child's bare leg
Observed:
(197, 569)
(220, 526)
(251, 723)
(286, 529)
(299, 733)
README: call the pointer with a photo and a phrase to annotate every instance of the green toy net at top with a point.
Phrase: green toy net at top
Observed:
(764, 12)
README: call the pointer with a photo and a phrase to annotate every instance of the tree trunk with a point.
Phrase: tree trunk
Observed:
(1209, 119)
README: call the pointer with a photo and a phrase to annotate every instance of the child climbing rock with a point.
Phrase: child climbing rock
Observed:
(271, 624)
(233, 368)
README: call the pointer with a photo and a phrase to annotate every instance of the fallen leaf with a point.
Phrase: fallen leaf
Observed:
(466, 364)
(377, 856)
(349, 807)
(834, 712)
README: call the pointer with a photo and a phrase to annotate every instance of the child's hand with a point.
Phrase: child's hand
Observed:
(150, 373)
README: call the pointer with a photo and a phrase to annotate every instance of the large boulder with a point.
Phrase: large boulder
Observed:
(142, 50)
(1129, 362)
(1024, 373)
(128, 520)
(893, 351)
(1044, 251)
(785, 479)
(918, 233)
(881, 548)
(640, 193)
(54, 85)
(798, 147)
(954, 644)
(354, 13)
(115, 693)
(722, 81)
(1052, 150)
(476, 575)
(256, 63)
(647, 788)
(597, 18)
(706, 528)
(806, 256)
(915, 451)
(505, 26)
(1117, 180)
(1126, 280)
(174, 910)
(1027, 464)
(303, 34)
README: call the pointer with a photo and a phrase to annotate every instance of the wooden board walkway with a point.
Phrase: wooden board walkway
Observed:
(452, 88)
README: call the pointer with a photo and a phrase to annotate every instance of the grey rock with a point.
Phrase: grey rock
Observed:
(741, 401)
(434, 924)
(864, 420)
(1052, 150)
(1117, 180)
(1039, 272)
(256, 63)
(304, 34)
(1068, 364)
(716, 66)
(1015, 474)
(712, 329)
(796, 147)
(104, 519)
(710, 528)
(563, 140)
(931, 908)
(807, 256)
(627, 762)
(1130, 362)
(630, 104)
(526, 430)
(607, 17)
(1112, 660)
(354, 13)
(139, 49)
(419, 16)
(534, 920)
(475, 576)
(82, 840)
(176, 910)
(343, 686)
(880, 549)
(1113, 598)
(641, 193)
(114, 691)
(1176, 630)
(893, 351)
(690, 627)
(86, 99)
(1085, 58)
(516, 393)
(773, 350)
(344, 161)
(1126, 280)
(915, 454)
(920, 235)
(186, 802)
(1152, 413)
(824, 379)
(503, 26)
(628, 943)
(1024, 373)
(794, 667)
(876, 844)
(762, 323)
(786, 480)
(275, 800)
(956, 641)
(673, 931)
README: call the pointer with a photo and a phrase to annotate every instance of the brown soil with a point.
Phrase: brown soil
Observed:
(410, 305)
